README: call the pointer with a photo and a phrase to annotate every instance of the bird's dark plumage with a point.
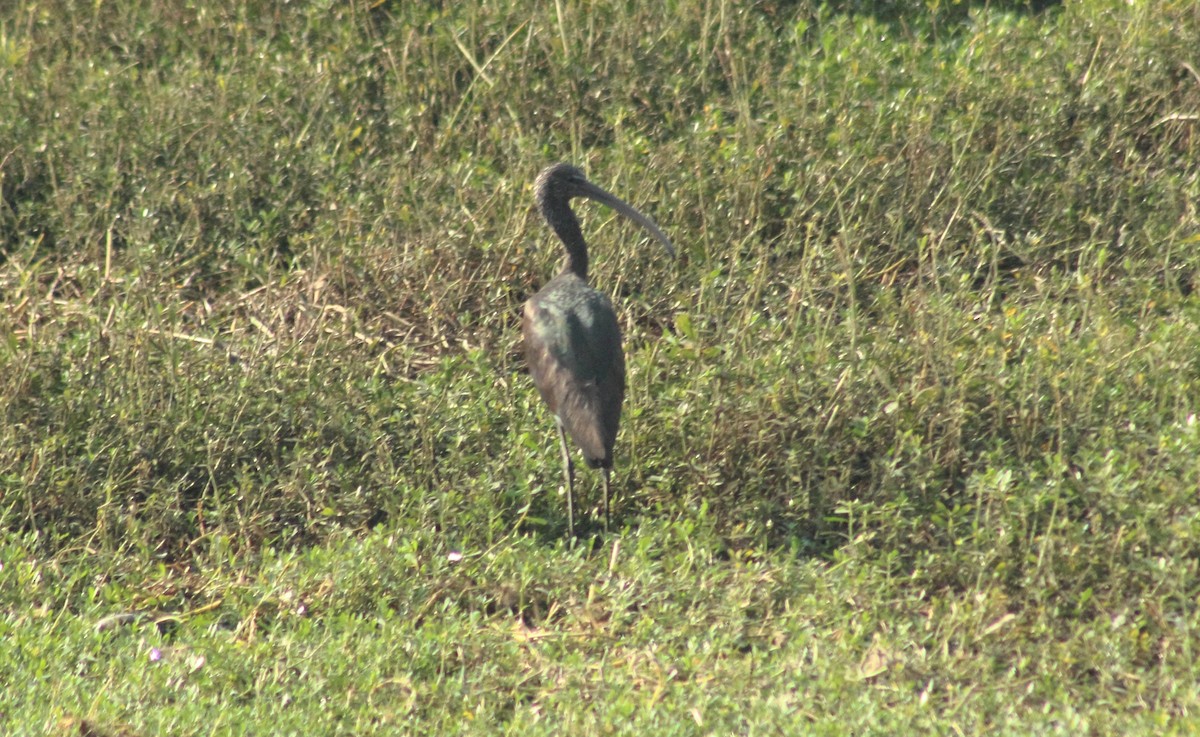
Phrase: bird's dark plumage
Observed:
(572, 340)
(573, 346)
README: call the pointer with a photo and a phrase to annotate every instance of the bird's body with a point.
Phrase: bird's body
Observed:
(573, 347)
(572, 340)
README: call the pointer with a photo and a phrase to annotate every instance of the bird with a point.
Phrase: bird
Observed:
(572, 340)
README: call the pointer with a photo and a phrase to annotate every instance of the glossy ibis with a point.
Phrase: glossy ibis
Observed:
(572, 341)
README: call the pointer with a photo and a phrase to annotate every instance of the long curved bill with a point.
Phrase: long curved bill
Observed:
(591, 191)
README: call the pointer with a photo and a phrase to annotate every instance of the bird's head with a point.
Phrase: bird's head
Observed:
(561, 180)
(557, 184)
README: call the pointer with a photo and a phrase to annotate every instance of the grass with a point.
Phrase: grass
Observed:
(911, 433)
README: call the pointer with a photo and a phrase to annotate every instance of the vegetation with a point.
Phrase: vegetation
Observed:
(912, 430)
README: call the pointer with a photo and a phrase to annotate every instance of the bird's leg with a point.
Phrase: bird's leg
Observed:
(606, 471)
(569, 472)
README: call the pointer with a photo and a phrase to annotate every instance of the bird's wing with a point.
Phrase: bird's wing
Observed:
(575, 359)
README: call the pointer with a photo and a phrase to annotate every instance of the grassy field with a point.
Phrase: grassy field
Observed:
(911, 441)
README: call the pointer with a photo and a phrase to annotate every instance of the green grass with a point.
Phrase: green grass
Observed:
(910, 442)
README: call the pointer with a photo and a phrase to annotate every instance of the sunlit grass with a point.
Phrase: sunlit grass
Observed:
(911, 431)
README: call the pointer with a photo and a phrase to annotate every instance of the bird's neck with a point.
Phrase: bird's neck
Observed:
(565, 225)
